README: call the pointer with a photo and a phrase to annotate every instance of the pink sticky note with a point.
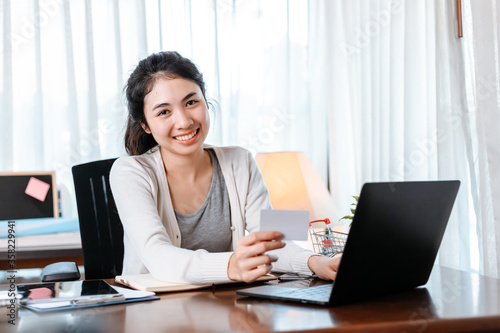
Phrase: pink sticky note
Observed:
(37, 189)
(40, 293)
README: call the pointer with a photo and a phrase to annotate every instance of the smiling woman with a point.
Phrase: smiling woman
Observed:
(370, 92)
(185, 205)
(154, 92)
(176, 115)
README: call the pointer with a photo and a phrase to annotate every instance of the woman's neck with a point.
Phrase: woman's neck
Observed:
(186, 167)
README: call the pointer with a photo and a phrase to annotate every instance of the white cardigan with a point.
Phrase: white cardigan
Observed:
(152, 237)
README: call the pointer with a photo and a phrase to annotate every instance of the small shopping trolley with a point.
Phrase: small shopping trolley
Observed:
(326, 241)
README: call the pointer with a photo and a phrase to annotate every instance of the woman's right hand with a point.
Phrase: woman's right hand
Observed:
(250, 260)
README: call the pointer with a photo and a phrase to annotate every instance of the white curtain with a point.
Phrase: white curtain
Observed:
(64, 65)
(483, 70)
(399, 110)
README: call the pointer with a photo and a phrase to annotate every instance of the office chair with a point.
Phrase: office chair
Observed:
(101, 230)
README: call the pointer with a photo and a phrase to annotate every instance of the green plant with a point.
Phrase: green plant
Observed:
(350, 217)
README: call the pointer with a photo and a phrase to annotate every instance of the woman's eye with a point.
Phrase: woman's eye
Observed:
(163, 112)
(192, 102)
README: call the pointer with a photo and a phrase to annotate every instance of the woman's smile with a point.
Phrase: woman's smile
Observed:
(188, 138)
(177, 116)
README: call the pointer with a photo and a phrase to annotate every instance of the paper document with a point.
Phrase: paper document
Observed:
(130, 293)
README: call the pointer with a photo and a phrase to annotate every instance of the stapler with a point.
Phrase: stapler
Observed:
(60, 271)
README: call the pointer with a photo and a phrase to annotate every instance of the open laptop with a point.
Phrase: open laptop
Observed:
(392, 245)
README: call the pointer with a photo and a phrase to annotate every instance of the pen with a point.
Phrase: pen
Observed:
(97, 300)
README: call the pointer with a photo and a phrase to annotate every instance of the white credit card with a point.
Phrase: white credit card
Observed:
(293, 224)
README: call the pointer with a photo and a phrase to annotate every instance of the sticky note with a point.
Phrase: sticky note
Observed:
(40, 293)
(37, 189)
(293, 224)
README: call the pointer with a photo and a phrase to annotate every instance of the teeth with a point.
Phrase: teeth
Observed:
(186, 137)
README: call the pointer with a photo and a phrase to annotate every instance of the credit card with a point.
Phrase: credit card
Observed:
(293, 224)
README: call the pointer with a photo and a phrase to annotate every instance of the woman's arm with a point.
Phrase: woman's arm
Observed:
(291, 258)
(324, 267)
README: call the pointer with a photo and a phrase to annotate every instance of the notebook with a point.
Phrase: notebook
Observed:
(392, 245)
(146, 282)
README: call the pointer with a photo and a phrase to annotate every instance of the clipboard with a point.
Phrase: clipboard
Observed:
(66, 295)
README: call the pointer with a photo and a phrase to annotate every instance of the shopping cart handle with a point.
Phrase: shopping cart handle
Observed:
(325, 221)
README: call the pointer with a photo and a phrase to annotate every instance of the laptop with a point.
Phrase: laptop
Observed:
(392, 245)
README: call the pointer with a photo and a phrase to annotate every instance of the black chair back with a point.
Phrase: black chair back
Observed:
(101, 230)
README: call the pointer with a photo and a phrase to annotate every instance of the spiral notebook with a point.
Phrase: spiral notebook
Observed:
(146, 282)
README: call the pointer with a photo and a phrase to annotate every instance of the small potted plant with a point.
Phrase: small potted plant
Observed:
(353, 210)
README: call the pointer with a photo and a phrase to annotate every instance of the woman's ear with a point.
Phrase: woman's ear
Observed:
(145, 128)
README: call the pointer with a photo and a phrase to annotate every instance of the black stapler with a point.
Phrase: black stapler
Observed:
(60, 271)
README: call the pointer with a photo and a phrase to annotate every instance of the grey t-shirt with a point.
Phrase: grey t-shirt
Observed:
(209, 227)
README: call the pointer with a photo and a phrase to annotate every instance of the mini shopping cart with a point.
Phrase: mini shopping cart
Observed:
(326, 241)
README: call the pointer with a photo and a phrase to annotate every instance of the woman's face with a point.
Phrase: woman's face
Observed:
(177, 115)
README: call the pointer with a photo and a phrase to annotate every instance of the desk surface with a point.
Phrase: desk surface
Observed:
(452, 301)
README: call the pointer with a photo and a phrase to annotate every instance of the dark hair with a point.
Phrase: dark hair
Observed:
(168, 64)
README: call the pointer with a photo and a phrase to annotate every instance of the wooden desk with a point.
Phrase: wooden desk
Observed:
(452, 301)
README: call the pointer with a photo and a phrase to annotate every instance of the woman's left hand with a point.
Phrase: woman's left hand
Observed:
(324, 267)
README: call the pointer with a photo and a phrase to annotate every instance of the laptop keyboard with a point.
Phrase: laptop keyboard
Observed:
(317, 292)
(295, 284)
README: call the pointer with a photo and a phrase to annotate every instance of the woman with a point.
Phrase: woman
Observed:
(185, 205)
